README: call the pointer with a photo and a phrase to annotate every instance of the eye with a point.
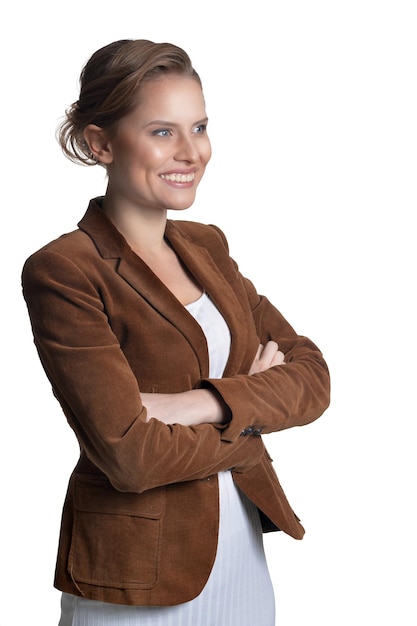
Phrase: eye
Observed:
(161, 132)
(200, 129)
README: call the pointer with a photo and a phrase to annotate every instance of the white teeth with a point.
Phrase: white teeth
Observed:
(179, 178)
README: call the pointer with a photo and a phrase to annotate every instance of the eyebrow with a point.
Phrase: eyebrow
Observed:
(166, 123)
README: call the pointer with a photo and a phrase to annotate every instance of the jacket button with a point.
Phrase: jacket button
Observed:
(247, 431)
(257, 432)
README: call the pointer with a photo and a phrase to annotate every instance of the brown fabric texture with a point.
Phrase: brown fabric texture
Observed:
(140, 519)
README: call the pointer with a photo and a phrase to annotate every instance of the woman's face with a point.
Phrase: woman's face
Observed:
(160, 151)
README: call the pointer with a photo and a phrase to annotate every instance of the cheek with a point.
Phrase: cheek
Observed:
(152, 156)
(206, 152)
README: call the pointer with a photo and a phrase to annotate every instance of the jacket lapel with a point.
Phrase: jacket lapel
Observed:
(207, 273)
(111, 244)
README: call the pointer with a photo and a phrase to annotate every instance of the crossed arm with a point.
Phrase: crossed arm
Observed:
(199, 406)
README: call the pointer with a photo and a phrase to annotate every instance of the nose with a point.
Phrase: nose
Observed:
(186, 149)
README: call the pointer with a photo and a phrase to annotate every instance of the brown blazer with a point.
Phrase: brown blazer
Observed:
(140, 518)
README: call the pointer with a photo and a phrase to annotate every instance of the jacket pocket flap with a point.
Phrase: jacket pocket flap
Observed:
(95, 494)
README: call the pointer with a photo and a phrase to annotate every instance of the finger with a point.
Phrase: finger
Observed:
(279, 359)
(259, 352)
(255, 363)
(268, 353)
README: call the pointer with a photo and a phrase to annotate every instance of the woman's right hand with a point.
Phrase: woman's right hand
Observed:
(267, 356)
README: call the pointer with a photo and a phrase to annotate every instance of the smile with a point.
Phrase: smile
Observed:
(179, 178)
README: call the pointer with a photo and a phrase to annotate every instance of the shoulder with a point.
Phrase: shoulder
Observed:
(95, 238)
(61, 256)
(208, 238)
(207, 235)
(65, 244)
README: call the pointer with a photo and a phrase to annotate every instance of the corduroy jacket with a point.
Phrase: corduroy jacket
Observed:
(140, 518)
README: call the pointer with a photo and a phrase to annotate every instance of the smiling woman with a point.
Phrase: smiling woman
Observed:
(151, 163)
(168, 366)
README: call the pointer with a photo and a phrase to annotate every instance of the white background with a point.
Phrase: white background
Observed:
(312, 108)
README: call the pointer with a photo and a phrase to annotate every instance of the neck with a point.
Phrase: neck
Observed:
(143, 228)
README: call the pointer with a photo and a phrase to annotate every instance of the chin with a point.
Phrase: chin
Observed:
(181, 206)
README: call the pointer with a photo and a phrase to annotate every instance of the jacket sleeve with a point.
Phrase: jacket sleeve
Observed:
(99, 392)
(287, 395)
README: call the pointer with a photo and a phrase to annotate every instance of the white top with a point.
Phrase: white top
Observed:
(216, 331)
(239, 590)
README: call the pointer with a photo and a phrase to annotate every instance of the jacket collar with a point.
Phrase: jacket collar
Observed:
(111, 244)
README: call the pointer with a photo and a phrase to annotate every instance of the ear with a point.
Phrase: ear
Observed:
(98, 142)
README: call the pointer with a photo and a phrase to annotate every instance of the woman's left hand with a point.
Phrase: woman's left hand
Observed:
(267, 356)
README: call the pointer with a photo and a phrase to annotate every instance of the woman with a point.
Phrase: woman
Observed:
(167, 364)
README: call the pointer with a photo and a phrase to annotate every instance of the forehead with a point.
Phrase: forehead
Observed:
(173, 96)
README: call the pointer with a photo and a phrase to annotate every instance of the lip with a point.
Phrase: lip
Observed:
(179, 178)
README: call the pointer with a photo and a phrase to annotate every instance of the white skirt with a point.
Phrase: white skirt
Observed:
(238, 593)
